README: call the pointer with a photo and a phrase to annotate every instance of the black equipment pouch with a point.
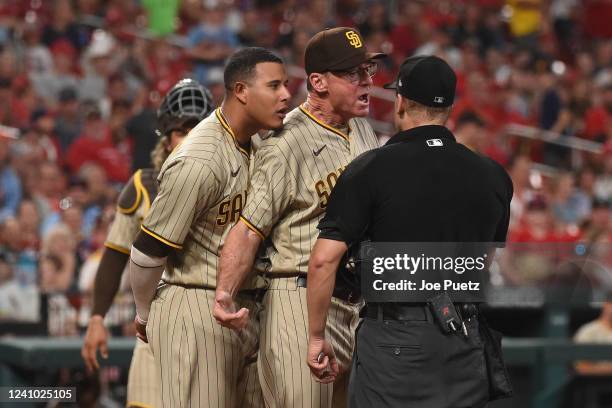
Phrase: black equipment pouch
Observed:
(499, 380)
(443, 310)
(348, 276)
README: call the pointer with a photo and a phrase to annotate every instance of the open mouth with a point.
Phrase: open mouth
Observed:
(282, 112)
(365, 98)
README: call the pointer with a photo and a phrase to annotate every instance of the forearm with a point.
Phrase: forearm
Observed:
(594, 368)
(321, 280)
(145, 273)
(108, 279)
(237, 257)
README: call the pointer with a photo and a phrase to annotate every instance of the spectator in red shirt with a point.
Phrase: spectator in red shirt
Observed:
(598, 116)
(536, 224)
(403, 34)
(94, 145)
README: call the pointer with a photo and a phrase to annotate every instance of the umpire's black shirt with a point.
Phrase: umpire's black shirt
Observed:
(422, 186)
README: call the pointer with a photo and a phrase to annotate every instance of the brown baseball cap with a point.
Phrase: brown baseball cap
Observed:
(336, 49)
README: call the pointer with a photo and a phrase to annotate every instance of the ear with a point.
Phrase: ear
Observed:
(400, 107)
(166, 143)
(318, 82)
(241, 92)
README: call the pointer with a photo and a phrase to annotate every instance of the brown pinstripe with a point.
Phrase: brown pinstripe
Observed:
(202, 190)
(295, 170)
(142, 387)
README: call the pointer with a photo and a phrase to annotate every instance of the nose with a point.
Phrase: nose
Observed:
(285, 94)
(366, 79)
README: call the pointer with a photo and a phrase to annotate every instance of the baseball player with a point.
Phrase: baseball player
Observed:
(202, 192)
(294, 173)
(185, 105)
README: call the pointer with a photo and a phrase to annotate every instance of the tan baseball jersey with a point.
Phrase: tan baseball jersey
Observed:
(202, 191)
(132, 206)
(294, 173)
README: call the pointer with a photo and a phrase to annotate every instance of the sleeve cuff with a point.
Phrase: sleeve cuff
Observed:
(333, 234)
(253, 228)
(117, 248)
(160, 238)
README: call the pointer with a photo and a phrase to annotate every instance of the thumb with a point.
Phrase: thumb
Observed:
(242, 313)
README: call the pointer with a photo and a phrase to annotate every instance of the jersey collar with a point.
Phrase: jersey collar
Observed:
(229, 130)
(325, 125)
(422, 133)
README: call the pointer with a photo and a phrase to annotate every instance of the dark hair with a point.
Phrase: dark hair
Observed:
(467, 117)
(241, 64)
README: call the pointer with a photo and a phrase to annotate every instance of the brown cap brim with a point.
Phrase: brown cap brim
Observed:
(356, 61)
(390, 85)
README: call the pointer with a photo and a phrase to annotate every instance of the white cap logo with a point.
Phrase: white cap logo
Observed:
(434, 142)
(399, 83)
(439, 99)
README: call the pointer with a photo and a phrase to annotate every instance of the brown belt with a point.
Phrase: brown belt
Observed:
(251, 294)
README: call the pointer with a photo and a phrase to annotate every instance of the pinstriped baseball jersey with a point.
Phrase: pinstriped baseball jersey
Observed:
(202, 190)
(295, 170)
(127, 221)
(134, 203)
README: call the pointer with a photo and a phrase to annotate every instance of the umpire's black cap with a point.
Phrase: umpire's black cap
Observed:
(427, 80)
(336, 49)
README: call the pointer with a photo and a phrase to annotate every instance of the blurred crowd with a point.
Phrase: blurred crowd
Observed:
(80, 81)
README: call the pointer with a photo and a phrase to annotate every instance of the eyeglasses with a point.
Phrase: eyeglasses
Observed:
(356, 74)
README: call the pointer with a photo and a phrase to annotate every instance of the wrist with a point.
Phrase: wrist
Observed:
(222, 292)
(316, 335)
(140, 320)
(96, 318)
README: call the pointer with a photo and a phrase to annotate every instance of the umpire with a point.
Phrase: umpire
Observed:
(422, 186)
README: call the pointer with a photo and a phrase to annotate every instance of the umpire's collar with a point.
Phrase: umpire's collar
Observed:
(422, 133)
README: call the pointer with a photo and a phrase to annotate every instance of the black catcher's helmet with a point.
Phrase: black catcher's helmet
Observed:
(183, 107)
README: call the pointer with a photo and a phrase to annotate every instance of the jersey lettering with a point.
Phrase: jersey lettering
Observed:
(229, 210)
(324, 187)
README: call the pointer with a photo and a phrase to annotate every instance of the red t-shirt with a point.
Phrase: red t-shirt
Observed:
(595, 121)
(117, 165)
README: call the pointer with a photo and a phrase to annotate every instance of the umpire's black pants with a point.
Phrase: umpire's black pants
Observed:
(414, 364)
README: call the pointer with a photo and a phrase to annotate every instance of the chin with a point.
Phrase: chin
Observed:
(361, 112)
(274, 124)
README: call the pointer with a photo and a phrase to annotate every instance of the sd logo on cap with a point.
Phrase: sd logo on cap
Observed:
(354, 39)
(336, 49)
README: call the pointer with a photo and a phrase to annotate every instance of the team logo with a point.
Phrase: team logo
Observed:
(354, 39)
(439, 99)
(434, 142)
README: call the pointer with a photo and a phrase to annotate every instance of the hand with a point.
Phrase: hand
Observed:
(96, 337)
(141, 328)
(322, 360)
(225, 312)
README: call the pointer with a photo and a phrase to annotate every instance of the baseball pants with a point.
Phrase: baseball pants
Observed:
(285, 378)
(200, 363)
(142, 387)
